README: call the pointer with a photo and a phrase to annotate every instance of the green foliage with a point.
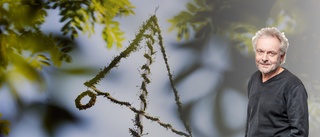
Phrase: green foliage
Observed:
(150, 33)
(24, 45)
(25, 50)
(235, 20)
(4, 126)
(190, 19)
(82, 15)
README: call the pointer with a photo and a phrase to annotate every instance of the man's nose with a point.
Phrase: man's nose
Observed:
(265, 57)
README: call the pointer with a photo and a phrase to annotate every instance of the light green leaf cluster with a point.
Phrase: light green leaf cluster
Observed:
(83, 15)
(202, 18)
(185, 21)
(241, 34)
(26, 54)
(25, 49)
(17, 15)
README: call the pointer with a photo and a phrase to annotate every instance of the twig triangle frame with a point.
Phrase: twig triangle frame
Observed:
(149, 32)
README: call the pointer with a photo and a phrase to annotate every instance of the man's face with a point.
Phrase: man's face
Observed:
(267, 53)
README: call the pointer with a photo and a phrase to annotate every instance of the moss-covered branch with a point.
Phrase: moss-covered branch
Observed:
(149, 33)
(107, 95)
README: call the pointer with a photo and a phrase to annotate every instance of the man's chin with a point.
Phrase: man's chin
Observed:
(264, 70)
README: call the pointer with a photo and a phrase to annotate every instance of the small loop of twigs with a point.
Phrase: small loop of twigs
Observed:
(91, 102)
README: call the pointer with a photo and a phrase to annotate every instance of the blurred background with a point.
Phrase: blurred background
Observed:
(45, 60)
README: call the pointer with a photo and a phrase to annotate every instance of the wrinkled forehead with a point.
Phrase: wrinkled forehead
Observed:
(268, 43)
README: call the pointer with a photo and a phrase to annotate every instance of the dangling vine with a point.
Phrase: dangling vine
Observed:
(148, 32)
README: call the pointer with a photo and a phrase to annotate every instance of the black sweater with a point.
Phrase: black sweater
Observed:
(277, 107)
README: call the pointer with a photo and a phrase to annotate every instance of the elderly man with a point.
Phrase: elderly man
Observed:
(277, 104)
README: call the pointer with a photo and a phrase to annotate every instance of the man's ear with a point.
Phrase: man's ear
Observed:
(282, 57)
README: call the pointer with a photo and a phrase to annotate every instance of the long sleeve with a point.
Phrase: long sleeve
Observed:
(297, 108)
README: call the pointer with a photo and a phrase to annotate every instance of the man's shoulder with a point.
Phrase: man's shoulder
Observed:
(293, 84)
(292, 78)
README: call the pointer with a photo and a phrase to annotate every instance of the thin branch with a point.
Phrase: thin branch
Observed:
(142, 113)
(175, 91)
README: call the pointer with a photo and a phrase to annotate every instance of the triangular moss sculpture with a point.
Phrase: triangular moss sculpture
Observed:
(149, 32)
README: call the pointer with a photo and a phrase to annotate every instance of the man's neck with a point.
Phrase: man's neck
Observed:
(267, 76)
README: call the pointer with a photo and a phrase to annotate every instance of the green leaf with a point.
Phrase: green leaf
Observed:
(66, 49)
(63, 19)
(192, 8)
(23, 67)
(201, 3)
(2, 76)
(44, 63)
(42, 57)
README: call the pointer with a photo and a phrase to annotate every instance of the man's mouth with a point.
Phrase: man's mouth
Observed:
(264, 65)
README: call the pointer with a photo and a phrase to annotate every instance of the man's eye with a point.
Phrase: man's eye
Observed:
(272, 53)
